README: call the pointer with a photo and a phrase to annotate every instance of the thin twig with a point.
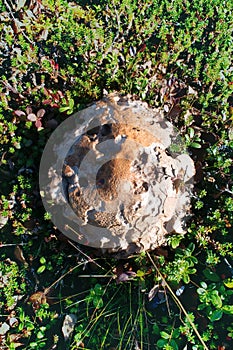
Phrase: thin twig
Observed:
(11, 244)
(2, 158)
(87, 256)
(167, 303)
(71, 270)
(60, 278)
(96, 276)
(12, 15)
(178, 303)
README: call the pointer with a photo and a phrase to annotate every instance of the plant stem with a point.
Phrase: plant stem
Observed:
(178, 303)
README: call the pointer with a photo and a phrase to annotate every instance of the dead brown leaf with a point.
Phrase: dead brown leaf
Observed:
(18, 253)
(37, 299)
(14, 338)
(153, 292)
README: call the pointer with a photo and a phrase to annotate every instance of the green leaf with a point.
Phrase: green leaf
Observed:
(191, 247)
(215, 315)
(164, 335)
(191, 271)
(175, 241)
(98, 302)
(228, 283)
(71, 103)
(161, 342)
(228, 309)
(140, 273)
(193, 259)
(210, 275)
(42, 260)
(201, 306)
(64, 109)
(92, 292)
(40, 335)
(98, 289)
(41, 269)
(156, 329)
(176, 333)
(195, 145)
(215, 299)
(191, 132)
(186, 278)
(30, 326)
(203, 284)
(174, 345)
(201, 291)
(42, 344)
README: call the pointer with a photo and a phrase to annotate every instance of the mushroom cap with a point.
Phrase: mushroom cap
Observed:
(120, 178)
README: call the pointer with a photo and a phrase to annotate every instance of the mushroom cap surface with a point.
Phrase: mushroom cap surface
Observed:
(126, 179)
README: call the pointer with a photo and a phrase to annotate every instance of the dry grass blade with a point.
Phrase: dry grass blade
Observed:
(177, 301)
